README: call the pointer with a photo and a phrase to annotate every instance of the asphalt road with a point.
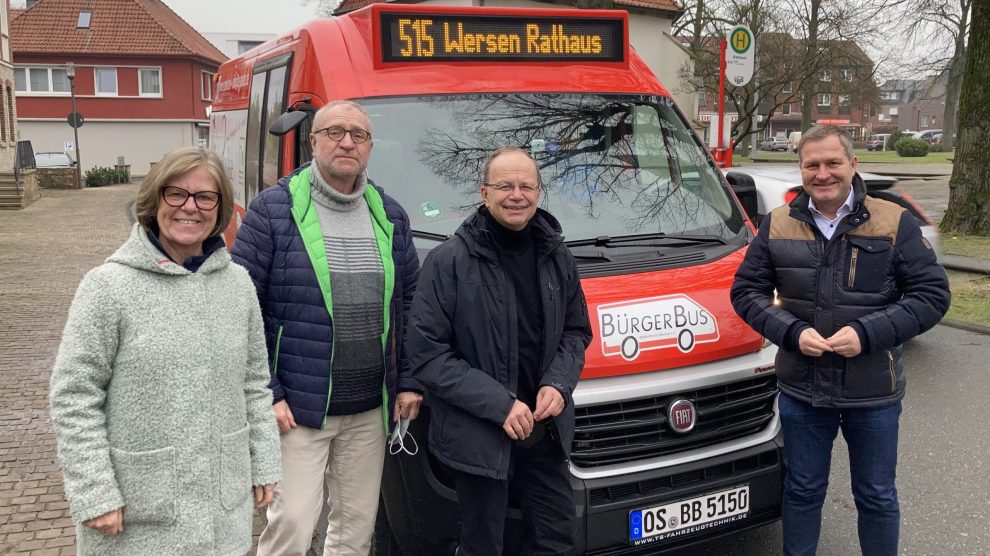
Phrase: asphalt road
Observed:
(944, 460)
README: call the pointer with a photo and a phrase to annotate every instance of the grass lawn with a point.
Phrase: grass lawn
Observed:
(969, 246)
(970, 298)
(889, 157)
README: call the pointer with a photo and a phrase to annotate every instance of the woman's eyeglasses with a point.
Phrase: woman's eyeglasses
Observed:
(176, 197)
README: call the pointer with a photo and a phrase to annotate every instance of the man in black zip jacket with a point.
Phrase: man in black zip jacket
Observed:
(497, 335)
(854, 280)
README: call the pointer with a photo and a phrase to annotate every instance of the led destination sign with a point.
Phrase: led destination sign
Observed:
(445, 38)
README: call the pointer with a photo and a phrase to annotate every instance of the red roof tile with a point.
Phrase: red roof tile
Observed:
(118, 27)
(670, 6)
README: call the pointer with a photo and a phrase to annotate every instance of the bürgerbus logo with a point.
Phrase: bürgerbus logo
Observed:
(629, 328)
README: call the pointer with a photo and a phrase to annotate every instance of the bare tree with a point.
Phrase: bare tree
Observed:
(797, 42)
(939, 26)
(969, 188)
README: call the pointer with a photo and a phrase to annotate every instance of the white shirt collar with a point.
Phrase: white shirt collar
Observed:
(845, 209)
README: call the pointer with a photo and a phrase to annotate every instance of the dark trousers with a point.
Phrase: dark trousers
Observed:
(871, 434)
(538, 483)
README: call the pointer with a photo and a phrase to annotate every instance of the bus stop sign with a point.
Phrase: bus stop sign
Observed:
(76, 119)
(739, 56)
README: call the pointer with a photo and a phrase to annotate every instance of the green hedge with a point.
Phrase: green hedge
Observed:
(893, 139)
(102, 175)
(909, 146)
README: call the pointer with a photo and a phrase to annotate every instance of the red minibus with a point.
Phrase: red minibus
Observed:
(677, 436)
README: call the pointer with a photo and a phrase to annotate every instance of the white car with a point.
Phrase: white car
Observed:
(776, 185)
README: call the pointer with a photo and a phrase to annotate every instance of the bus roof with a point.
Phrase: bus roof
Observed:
(342, 58)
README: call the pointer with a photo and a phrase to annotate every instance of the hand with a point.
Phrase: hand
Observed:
(407, 405)
(519, 423)
(263, 495)
(549, 403)
(110, 524)
(283, 415)
(846, 342)
(812, 344)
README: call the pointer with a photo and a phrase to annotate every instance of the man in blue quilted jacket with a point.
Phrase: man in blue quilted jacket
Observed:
(854, 279)
(332, 259)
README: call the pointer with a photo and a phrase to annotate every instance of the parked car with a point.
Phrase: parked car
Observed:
(928, 135)
(877, 142)
(776, 185)
(793, 139)
(774, 144)
(53, 160)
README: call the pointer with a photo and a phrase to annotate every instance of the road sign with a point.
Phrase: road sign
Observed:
(740, 55)
(76, 119)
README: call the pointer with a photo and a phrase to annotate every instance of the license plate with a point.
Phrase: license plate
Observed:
(689, 516)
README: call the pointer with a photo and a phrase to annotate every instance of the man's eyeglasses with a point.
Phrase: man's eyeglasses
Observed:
(336, 133)
(176, 197)
(507, 187)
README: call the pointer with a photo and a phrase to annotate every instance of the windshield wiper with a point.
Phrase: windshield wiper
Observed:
(591, 256)
(430, 235)
(652, 240)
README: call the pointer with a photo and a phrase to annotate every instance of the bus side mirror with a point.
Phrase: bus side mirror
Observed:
(287, 122)
(744, 187)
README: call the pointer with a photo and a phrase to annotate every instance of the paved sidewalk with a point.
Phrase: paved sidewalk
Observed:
(44, 251)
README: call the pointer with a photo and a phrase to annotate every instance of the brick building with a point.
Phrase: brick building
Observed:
(143, 79)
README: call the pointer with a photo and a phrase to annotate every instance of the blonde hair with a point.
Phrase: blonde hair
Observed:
(174, 164)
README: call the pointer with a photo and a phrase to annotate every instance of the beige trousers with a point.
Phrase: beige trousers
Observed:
(348, 455)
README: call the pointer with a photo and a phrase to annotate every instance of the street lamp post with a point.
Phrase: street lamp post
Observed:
(70, 72)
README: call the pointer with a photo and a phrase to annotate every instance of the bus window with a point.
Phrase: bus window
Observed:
(275, 103)
(252, 153)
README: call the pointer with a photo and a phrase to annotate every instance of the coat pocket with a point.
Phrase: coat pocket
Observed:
(149, 484)
(867, 262)
(871, 375)
(235, 469)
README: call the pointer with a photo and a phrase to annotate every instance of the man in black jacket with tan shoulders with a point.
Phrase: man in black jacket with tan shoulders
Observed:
(854, 279)
(497, 335)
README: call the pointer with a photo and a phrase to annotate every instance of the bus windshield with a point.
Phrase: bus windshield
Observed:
(610, 165)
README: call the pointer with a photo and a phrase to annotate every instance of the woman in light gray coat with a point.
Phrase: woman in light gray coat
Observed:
(159, 394)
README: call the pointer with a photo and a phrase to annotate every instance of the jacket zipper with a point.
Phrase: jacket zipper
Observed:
(852, 266)
(278, 342)
(890, 368)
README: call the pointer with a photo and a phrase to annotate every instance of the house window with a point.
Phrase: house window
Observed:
(847, 74)
(106, 81)
(11, 120)
(85, 16)
(150, 82)
(788, 88)
(244, 46)
(893, 110)
(827, 75)
(844, 106)
(41, 80)
(786, 109)
(825, 100)
(924, 120)
(206, 85)
(701, 99)
(3, 116)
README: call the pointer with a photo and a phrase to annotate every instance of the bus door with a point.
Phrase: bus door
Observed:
(263, 155)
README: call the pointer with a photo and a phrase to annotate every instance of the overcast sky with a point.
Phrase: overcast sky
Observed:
(239, 16)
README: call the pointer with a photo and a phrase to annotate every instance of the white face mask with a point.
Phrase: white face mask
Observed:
(400, 435)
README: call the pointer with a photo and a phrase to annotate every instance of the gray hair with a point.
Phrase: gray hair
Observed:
(821, 132)
(335, 103)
